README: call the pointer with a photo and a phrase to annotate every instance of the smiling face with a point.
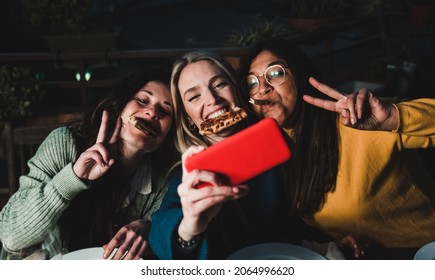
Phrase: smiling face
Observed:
(281, 98)
(206, 93)
(152, 104)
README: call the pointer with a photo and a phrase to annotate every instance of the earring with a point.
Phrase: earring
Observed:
(191, 125)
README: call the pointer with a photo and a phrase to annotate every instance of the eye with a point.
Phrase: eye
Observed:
(251, 81)
(275, 72)
(193, 97)
(142, 101)
(220, 85)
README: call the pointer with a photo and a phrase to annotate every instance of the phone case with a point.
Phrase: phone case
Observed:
(245, 154)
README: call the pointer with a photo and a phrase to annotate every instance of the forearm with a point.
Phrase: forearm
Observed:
(36, 208)
(417, 117)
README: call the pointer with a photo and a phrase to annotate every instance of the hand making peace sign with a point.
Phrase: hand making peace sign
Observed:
(95, 161)
(360, 110)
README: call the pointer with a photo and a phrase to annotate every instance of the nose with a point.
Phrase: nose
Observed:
(264, 87)
(212, 98)
(152, 112)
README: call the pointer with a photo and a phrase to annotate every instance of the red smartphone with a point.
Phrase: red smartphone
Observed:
(245, 154)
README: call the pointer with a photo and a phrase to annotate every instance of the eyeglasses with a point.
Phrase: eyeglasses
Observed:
(274, 76)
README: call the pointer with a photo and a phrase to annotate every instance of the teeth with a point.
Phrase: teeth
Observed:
(216, 114)
(259, 102)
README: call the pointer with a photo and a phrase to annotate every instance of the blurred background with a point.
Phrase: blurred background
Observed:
(73, 48)
(57, 58)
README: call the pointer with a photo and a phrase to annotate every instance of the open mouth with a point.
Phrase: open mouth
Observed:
(216, 114)
(143, 126)
(259, 102)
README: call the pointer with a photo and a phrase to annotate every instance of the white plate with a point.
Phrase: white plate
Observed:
(427, 252)
(83, 254)
(275, 251)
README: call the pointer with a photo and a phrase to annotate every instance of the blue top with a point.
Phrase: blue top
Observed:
(256, 218)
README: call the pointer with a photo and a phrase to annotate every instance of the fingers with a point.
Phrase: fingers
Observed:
(192, 179)
(99, 154)
(325, 89)
(350, 242)
(130, 242)
(196, 201)
(92, 163)
(321, 103)
(134, 249)
(225, 194)
(101, 137)
(355, 104)
(351, 107)
(211, 195)
(191, 151)
(116, 132)
(188, 153)
(333, 106)
(100, 150)
(128, 245)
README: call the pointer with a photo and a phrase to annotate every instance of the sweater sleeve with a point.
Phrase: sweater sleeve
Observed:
(44, 193)
(165, 222)
(417, 127)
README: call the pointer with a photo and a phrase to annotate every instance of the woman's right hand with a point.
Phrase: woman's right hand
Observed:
(360, 110)
(201, 205)
(95, 161)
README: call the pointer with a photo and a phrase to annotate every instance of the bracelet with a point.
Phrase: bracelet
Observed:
(187, 244)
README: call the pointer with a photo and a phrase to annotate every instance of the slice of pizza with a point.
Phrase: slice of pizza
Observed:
(215, 125)
(143, 126)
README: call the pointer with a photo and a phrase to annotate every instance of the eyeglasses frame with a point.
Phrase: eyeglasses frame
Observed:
(263, 75)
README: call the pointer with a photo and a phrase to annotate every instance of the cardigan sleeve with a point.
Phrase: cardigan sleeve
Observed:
(44, 193)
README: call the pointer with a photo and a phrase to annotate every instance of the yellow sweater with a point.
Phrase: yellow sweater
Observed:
(383, 192)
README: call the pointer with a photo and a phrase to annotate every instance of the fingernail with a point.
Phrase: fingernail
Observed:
(353, 120)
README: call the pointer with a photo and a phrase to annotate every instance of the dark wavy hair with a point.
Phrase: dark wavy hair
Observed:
(89, 220)
(312, 170)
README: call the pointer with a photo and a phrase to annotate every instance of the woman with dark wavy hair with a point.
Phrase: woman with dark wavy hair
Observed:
(355, 169)
(97, 183)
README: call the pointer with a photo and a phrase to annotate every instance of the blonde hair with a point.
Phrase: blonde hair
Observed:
(186, 137)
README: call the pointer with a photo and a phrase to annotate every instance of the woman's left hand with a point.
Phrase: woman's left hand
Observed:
(361, 110)
(350, 242)
(131, 241)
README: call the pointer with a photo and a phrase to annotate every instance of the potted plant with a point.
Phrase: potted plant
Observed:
(65, 27)
(310, 15)
(263, 29)
(249, 35)
(19, 93)
(367, 8)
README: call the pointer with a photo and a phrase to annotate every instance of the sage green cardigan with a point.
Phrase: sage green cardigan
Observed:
(47, 190)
